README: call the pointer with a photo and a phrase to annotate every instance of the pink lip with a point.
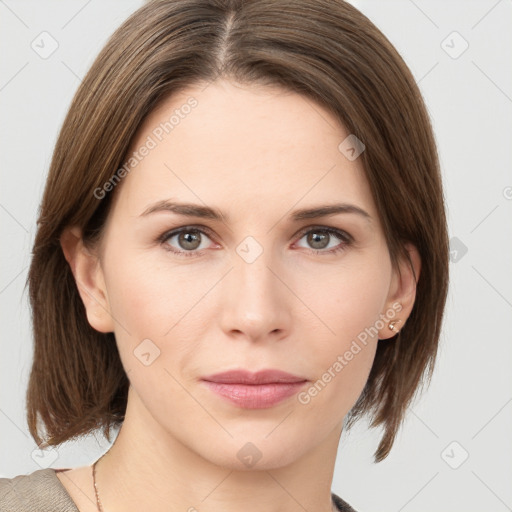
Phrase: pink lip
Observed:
(254, 390)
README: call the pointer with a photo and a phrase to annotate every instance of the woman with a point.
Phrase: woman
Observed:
(241, 250)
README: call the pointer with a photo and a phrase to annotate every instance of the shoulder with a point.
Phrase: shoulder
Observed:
(40, 490)
(341, 505)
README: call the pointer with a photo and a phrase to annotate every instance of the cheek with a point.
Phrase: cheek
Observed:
(159, 310)
(343, 361)
(348, 305)
(148, 297)
(345, 299)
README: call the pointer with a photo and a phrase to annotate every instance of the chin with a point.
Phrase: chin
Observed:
(252, 453)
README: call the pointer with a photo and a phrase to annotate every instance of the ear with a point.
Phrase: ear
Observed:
(402, 293)
(88, 274)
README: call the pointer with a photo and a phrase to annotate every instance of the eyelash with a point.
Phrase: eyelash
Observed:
(342, 235)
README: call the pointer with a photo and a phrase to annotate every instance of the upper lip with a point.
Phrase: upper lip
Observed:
(246, 377)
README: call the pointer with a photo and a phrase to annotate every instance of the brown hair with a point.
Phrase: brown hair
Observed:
(325, 50)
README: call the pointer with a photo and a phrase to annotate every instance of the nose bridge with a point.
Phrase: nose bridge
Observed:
(253, 263)
(256, 303)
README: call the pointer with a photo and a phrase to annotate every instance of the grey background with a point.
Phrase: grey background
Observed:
(467, 412)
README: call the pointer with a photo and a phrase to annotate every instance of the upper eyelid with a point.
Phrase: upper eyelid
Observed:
(324, 228)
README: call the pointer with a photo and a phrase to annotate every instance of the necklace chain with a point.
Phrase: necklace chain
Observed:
(98, 501)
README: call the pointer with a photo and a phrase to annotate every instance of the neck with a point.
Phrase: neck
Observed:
(151, 469)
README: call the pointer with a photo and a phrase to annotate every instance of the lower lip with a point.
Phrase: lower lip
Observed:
(255, 396)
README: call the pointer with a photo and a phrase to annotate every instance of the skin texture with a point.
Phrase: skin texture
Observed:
(258, 154)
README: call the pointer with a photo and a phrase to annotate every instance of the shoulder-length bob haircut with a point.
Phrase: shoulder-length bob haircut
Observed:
(325, 50)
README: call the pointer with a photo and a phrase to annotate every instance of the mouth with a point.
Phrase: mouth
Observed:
(259, 390)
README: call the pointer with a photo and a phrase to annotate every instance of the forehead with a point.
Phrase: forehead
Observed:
(244, 146)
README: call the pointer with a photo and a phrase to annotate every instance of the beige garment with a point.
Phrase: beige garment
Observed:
(41, 491)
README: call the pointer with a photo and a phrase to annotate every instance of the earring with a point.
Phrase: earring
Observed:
(391, 326)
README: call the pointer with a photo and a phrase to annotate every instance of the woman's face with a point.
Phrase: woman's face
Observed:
(255, 286)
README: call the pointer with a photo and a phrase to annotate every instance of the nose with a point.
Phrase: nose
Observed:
(255, 302)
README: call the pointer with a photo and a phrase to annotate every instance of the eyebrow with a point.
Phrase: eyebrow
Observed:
(207, 212)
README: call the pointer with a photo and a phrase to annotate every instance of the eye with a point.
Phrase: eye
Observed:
(188, 241)
(319, 238)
